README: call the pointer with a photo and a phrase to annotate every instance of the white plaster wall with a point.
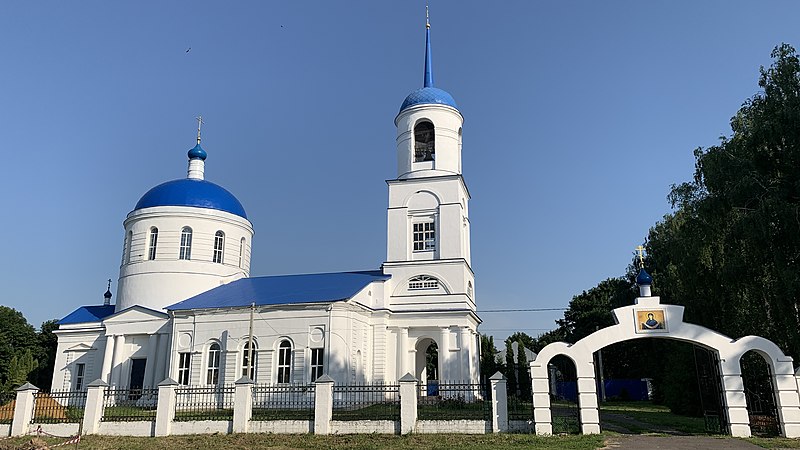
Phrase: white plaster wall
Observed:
(447, 122)
(202, 427)
(142, 428)
(166, 280)
(59, 429)
(80, 343)
(282, 426)
(453, 426)
(5, 429)
(365, 426)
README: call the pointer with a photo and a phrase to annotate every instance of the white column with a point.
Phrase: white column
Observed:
(465, 354)
(242, 405)
(499, 403)
(23, 409)
(93, 412)
(403, 352)
(408, 403)
(161, 359)
(116, 361)
(445, 374)
(149, 367)
(323, 404)
(105, 373)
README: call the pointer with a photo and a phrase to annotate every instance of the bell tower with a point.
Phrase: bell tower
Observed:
(428, 251)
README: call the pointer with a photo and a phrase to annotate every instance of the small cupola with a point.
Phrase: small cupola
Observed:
(107, 295)
(643, 279)
(428, 127)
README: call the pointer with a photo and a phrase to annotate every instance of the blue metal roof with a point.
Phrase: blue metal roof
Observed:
(191, 192)
(429, 96)
(88, 314)
(283, 290)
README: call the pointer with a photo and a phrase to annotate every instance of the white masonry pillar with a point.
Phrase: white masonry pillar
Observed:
(465, 353)
(116, 361)
(149, 366)
(445, 374)
(403, 352)
(105, 372)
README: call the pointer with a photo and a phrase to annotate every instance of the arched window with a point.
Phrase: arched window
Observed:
(248, 363)
(241, 254)
(422, 282)
(186, 243)
(151, 254)
(126, 252)
(212, 376)
(285, 362)
(219, 244)
(424, 142)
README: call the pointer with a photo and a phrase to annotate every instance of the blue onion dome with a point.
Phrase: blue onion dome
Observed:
(644, 278)
(429, 96)
(197, 153)
(194, 193)
(107, 295)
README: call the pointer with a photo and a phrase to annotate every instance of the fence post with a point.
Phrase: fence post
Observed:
(408, 403)
(499, 403)
(323, 404)
(95, 402)
(23, 409)
(165, 413)
(242, 405)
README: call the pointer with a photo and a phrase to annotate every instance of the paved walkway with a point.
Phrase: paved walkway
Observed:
(638, 442)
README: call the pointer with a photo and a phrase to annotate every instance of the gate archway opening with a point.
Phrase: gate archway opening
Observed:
(648, 318)
(563, 380)
(759, 394)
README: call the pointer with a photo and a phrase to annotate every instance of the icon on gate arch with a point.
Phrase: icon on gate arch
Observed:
(650, 320)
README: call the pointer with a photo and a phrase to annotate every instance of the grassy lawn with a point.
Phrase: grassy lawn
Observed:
(656, 415)
(363, 441)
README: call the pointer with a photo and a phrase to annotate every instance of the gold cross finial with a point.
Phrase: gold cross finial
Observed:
(199, 125)
(427, 17)
(640, 254)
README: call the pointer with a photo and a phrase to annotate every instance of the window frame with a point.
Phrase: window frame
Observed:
(213, 363)
(152, 251)
(423, 235)
(317, 363)
(248, 369)
(80, 376)
(184, 368)
(284, 366)
(242, 244)
(423, 283)
(219, 247)
(424, 151)
(185, 248)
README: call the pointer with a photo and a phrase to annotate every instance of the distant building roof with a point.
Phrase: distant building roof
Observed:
(283, 290)
(88, 314)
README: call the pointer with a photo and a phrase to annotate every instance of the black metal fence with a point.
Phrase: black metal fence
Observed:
(454, 401)
(7, 406)
(366, 402)
(129, 405)
(59, 407)
(204, 403)
(283, 402)
(519, 407)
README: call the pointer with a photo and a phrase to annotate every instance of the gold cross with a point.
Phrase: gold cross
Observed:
(199, 124)
(640, 254)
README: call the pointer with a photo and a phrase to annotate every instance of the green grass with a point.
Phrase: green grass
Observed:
(362, 441)
(656, 415)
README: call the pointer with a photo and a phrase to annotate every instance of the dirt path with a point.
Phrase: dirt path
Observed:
(621, 423)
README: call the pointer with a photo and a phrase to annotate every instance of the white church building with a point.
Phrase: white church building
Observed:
(186, 302)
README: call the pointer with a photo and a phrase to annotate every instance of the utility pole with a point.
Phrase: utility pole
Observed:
(252, 368)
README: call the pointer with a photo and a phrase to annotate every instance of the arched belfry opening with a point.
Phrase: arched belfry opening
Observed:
(424, 142)
(759, 394)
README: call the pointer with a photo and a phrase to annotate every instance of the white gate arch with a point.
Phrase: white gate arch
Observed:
(648, 318)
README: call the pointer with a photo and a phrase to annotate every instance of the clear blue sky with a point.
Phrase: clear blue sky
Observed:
(579, 117)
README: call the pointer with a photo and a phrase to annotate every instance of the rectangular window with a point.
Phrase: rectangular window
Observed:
(219, 243)
(316, 363)
(80, 370)
(284, 362)
(184, 366)
(212, 377)
(186, 244)
(424, 236)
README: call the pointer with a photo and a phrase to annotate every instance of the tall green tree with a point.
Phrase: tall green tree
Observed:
(730, 251)
(489, 363)
(17, 337)
(524, 378)
(511, 368)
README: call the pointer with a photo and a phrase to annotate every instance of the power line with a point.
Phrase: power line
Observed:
(521, 310)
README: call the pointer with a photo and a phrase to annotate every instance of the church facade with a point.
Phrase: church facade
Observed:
(188, 309)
